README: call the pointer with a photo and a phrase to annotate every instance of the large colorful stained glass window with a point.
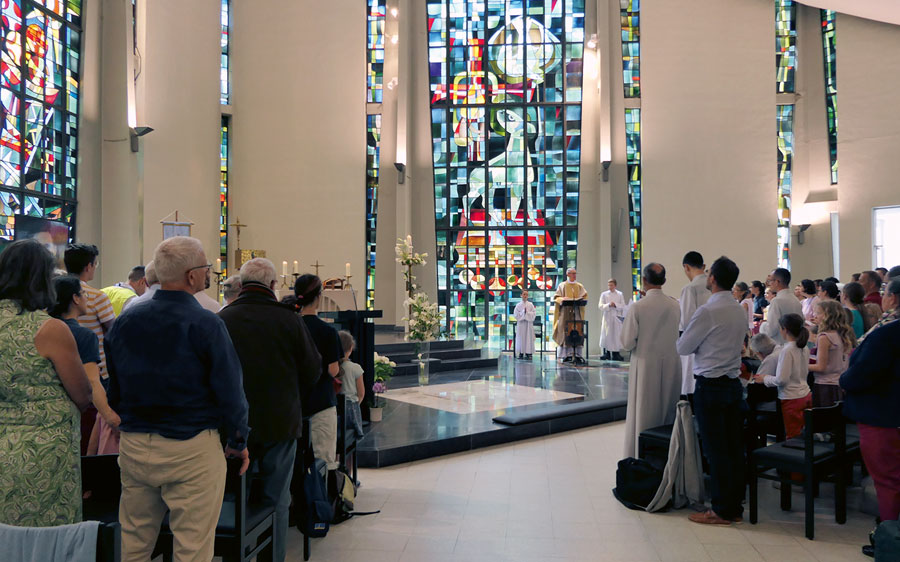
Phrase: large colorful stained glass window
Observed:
(785, 121)
(223, 193)
(374, 90)
(785, 45)
(224, 70)
(830, 56)
(40, 74)
(506, 78)
(631, 53)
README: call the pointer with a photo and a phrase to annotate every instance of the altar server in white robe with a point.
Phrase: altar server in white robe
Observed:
(524, 315)
(612, 309)
(654, 376)
(693, 296)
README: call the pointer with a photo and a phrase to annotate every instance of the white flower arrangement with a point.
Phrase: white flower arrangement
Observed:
(424, 318)
(406, 255)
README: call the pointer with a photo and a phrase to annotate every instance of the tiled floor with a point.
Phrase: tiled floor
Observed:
(470, 396)
(549, 499)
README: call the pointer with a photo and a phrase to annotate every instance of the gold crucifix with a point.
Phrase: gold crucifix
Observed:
(317, 265)
(237, 227)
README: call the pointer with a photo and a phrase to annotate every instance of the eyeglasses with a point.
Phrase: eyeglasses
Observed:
(207, 266)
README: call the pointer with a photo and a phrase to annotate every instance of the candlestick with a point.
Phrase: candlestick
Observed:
(296, 267)
(347, 269)
(284, 268)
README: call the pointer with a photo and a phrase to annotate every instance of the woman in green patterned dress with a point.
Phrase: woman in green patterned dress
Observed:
(42, 388)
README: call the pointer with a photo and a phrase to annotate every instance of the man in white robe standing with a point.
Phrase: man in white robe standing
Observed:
(524, 315)
(612, 307)
(654, 376)
(693, 296)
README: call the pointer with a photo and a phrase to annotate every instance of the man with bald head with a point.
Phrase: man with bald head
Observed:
(654, 376)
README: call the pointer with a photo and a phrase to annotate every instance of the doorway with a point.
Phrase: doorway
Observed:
(886, 236)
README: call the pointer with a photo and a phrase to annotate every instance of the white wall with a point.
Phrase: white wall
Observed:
(708, 133)
(298, 152)
(868, 67)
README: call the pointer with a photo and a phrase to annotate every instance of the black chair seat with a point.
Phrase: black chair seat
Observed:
(105, 510)
(788, 453)
(659, 433)
(255, 515)
(768, 407)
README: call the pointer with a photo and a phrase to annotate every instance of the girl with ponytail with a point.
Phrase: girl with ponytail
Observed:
(790, 374)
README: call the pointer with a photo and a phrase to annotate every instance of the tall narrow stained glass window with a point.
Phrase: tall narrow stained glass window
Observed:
(830, 56)
(40, 74)
(224, 70)
(631, 70)
(785, 162)
(374, 90)
(785, 45)
(506, 79)
(223, 193)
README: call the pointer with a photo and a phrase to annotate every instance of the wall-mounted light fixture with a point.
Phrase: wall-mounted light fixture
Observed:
(138, 132)
(394, 39)
(393, 83)
(394, 12)
(592, 41)
(401, 169)
(606, 164)
(801, 236)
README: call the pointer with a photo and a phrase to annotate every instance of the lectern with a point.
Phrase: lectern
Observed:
(360, 325)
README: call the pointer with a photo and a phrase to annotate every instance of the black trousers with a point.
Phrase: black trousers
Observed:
(720, 415)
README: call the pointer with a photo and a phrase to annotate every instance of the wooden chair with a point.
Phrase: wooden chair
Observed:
(245, 530)
(815, 460)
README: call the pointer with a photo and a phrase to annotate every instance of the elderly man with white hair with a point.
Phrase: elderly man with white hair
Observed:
(568, 319)
(280, 365)
(175, 379)
(152, 287)
(231, 288)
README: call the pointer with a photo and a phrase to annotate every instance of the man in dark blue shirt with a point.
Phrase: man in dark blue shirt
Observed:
(175, 380)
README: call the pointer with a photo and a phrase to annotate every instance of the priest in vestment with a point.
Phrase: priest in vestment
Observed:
(612, 308)
(654, 376)
(524, 315)
(563, 317)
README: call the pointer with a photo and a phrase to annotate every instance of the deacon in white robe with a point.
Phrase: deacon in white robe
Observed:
(654, 376)
(524, 315)
(693, 296)
(612, 309)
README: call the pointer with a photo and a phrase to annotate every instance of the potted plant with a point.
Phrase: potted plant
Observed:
(384, 368)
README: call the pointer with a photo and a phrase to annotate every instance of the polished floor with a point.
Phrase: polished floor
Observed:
(549, 499)
(479, 395)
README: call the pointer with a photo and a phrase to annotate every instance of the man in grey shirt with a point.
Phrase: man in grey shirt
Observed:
(715, 335)
(785, 302)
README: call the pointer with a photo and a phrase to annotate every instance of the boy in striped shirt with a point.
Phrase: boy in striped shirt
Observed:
(81, 261)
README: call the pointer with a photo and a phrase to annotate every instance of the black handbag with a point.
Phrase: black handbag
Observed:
(636, 483)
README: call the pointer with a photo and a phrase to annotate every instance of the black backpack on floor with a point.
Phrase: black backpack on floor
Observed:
(315, 510)
(636, 483)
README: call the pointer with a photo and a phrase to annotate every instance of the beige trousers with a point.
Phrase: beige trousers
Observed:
(187, 478)
(323, 436)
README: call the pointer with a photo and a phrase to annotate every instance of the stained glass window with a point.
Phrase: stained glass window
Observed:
(40, 74)
(633, 162)
(374, 89)
(224, 71)
(631, 47)
(785, 45)
(506, 78)
(830, 56)
(785, 120)
(223, 194)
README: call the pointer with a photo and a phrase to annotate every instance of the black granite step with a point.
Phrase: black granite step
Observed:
(442, 354)
(409, 347)
(444, 365)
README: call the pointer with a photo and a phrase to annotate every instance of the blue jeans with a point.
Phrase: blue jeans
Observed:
(718, 406)
(272, 463)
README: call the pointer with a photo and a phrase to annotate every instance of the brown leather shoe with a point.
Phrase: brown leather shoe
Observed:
(709, 517)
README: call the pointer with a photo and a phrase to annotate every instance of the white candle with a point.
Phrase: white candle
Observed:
(218, 264)
(296, 266)
(347, 267)
(284, 268)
